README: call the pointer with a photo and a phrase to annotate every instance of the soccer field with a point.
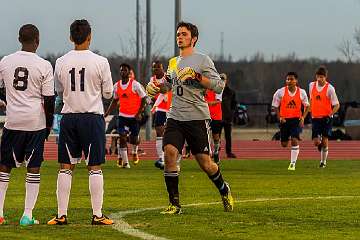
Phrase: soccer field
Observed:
(271, 203)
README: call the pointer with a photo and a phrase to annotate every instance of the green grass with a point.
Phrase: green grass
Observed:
(143, 187)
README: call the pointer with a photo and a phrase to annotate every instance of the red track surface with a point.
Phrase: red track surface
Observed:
(344, 150)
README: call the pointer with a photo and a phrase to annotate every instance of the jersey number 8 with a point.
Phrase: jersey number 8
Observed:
(20, 82)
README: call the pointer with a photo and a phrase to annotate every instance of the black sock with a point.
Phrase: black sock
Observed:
(219, 182)
(172, 185)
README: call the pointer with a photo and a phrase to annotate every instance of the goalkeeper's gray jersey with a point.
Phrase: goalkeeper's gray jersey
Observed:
(188, 102)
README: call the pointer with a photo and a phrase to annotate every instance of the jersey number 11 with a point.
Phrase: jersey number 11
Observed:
(82, 79)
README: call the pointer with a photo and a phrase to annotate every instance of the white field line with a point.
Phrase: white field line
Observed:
(122, 226)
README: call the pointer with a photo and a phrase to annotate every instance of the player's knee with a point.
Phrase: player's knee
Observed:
(33, 170)
(5, 169)
(123, 140)
(170, 154)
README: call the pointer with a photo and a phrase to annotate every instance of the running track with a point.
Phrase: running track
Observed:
(271, 150)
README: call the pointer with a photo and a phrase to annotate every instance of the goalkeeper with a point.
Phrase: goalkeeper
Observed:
(188, 76)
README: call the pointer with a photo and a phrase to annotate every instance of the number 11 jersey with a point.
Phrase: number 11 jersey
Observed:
(26, 77)
(83, 78)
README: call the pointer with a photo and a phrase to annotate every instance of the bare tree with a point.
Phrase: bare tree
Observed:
(347, 50)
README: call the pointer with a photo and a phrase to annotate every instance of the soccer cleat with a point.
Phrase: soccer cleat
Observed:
(58, 220)
(322, 165)
(2, 221)
(26, 221)
(126, 165)
(135, 159)
(231, 155)
(228, 200)
(172, 209)
(216, 158)
(159, 164)
(141, 152)
(103, 220)
(119, 162)
(291, 167)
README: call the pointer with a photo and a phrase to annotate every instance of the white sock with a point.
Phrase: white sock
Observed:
(4, 183)
(216, 147)
(119, 149)
(124, 156)
(32, 186)
(63, 190)
(324, 154)
(294, 153)
(159, 150)
(96, 187)
(134, 149)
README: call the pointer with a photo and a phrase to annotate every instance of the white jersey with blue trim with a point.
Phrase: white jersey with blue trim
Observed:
(83, 78)
(27, 78)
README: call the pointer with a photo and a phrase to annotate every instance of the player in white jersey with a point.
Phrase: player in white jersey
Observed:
(82, 78)
(28, 80)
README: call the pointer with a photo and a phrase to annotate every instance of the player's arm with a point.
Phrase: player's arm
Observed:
(305, 102)
(107, 83)
(276, 105)
(114, 102)
(47, 91)
(210, 78)
(142, 94)
(218, 98)
(334, 100)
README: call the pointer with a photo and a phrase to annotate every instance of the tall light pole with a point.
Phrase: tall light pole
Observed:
(148, 62)
(138, 40)
(177, 20)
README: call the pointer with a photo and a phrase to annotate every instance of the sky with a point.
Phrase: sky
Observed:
(308, 28)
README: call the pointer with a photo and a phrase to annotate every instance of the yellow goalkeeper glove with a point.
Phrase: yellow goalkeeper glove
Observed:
(152, 89)
(188, 73)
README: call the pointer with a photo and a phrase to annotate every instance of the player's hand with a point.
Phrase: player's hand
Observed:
(282, 120)
(153, 109)
(188, 73)
(301, 123)
(138, 117)
(152, 89)
(47, 133)
(2, 105)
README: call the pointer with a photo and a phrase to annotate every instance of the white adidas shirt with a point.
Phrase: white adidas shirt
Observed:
(83, 78)
(26, 77)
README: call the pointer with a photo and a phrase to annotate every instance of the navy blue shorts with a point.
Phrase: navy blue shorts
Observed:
(82, 132)
(195, 132)
(290, 129)
(216, 126)
(321, 127)
(128, 126)
(19, 147)
(160, 118)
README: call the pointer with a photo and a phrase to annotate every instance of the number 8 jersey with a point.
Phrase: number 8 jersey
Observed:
(26, 77)
(83, 78)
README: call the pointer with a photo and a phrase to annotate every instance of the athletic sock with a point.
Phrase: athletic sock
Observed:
(172, 186)
(159, 150)
(96, 188)
(134, 149)
(124, 156)
(219, 182)
(32, 186)
(63, 190)
(324, 154)
(4, 183)
(294, 153)
(119, 150)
